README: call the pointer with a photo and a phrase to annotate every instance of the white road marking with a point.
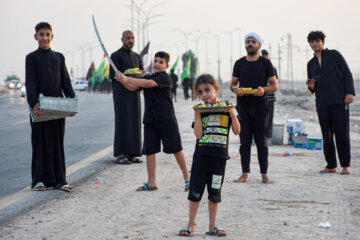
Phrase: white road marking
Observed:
(20, 122)
(25, 192)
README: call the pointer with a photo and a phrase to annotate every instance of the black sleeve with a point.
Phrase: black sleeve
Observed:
(163, 80)
(346, 73)
(276, 73)
(65, 78)
(236, 70)
(269, 69)
(309, 74)
(32, 93)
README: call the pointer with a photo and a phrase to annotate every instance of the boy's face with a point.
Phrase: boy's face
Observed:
(44, 37)
(208, 92)
(317, 45)
(160, 65)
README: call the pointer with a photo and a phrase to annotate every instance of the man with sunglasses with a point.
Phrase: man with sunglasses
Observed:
(330, 78)
(253, 71)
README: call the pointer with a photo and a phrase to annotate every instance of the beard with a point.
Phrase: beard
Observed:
(251, 51)
(129, 46)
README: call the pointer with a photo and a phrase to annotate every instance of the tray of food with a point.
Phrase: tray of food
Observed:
(220, 106)
(135, 73)
(247, 90)
(52, 108)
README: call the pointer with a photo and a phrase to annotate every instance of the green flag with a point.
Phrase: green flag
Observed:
(197, 68)
(98, 74)
(174, 66)
(186, 72)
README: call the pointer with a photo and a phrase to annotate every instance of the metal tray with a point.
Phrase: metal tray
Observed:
(212, 109)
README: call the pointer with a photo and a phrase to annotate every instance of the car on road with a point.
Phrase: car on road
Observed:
(80, 85)
(23, 91)
(12, 82)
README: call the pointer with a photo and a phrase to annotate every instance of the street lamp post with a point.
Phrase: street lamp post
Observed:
(186, 36)
(218, 52)
(231, 50)
(240, 51)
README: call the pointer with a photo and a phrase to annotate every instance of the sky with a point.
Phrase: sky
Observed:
(210, 26)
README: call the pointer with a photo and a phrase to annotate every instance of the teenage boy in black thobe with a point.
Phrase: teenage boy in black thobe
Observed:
(331, 80)
(256, 72)
(160, 124)
(46, 73)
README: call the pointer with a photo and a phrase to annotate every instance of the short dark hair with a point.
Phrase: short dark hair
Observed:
(314, 35)
(205, 79)
(163, 55)
(41, 25)
(264, 52)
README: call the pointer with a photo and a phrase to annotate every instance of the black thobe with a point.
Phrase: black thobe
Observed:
(46, 73)
(127, 107)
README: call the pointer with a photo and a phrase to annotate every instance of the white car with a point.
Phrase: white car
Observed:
(80, 85)
(23, 91)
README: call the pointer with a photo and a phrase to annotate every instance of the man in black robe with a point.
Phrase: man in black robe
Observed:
(127, 141)
(46, 73)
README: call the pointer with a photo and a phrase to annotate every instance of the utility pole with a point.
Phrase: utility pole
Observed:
(231, 52)
(240, 40)
(219, 62)
(279, 61)
(290, 61)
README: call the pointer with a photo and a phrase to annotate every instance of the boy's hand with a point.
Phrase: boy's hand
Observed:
(231, 110)
(349, 98)
(260, 91)
(311, 84)
(36, 110)
(121, 78)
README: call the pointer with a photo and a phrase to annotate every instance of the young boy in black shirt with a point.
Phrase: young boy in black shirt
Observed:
(211, 130)
(160, 124)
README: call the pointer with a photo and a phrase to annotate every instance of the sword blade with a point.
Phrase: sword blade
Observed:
(103, 47)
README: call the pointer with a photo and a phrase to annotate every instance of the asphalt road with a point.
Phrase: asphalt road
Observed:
(90, 131)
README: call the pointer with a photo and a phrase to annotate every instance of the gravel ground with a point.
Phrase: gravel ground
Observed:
(106, 206)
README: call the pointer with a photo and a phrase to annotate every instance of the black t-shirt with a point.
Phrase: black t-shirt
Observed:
(253, 74)
(158, 104)
(215, 139)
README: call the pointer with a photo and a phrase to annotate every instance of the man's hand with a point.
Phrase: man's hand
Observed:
(349, 98)
(73, 114)
(36, 110)
(234, 89)
(311, 84)
(260, 92)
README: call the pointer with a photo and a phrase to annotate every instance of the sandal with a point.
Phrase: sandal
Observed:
(135, 160)
(66, 188)
(146, 187)
(185, 232)
(39, 187)
(216, 231)
(122, 160)
(187, 186)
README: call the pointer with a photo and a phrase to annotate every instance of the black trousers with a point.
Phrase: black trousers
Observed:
(334, 120)
(252, 120)
(269, 119)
